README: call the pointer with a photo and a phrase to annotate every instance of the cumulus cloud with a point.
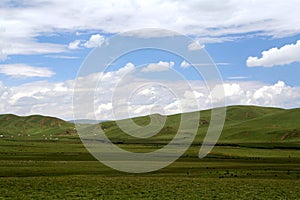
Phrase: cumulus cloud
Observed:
(74, 45)
(196, 46)
(94, 41)
(54, 99)
(258, 93)
(193, 94)
(277, 56)
(185, 64)
(22, 70)
(158, 67)
(274, 94)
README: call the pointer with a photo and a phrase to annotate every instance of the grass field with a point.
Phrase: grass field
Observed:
(33, 169)
(55, 165)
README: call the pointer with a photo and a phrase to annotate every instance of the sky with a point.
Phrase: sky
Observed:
(44, 45)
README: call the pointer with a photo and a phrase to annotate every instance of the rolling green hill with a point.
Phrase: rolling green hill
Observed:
(244, 124)
(33, 125)
(266, 125)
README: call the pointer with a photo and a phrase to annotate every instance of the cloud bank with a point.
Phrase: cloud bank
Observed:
(22, 22)
(55, 98)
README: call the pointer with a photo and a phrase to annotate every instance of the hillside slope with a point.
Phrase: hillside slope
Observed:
(244, 124)
(33, 125)
(274, 125)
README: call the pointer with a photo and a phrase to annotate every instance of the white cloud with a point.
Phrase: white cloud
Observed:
(74, 45)
(158, 67)
(126, 69)
(185, 64)
(277, 56)
(94, 41)
(219, 39)
(104, 107)
(274, 94)
(62, 57)
(212, 21)
(54, 99)
(257, 93)
(237, 77)
(150, 33)
(78, 33)
(22, 70)
(12, 46)
(232, 89)
(193, 94)
(196, 46)
(222, 63)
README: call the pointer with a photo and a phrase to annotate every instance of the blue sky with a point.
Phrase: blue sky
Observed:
(44, 43)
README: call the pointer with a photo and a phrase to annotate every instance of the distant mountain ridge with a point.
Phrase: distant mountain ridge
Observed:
(85, 121)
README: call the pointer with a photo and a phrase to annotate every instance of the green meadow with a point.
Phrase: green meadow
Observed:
(256, 157)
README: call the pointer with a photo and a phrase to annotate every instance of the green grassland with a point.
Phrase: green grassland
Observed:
(257, 157)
